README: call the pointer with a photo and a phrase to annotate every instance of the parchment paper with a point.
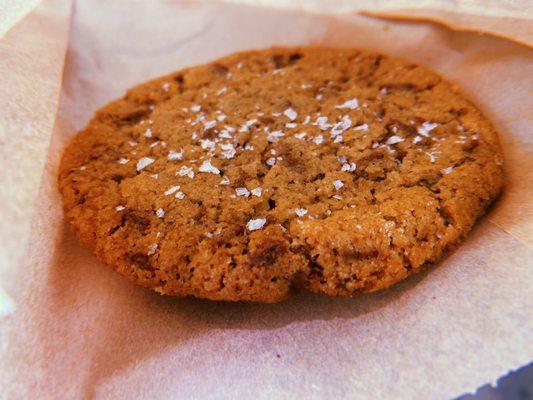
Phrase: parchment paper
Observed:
(79, 330)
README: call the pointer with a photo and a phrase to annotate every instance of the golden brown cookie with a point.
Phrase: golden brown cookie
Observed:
(335, 170)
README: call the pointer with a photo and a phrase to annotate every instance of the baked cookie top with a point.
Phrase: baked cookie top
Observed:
(335, 170)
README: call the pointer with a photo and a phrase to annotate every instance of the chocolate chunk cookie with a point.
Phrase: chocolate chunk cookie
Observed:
(334, 170)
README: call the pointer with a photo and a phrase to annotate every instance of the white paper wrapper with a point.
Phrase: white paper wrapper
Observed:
(79, 330)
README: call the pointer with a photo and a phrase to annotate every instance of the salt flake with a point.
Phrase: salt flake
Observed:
(152, 248)
(290, 113)
(242, 191)
(207, 144)
(318, 139)
(426, 128)
(271, 161)
(255, 224)
(300, 212)
(208, 168)
(350, 104)
(338, 184)
(349, 167)
(186, 171)
(273, 136)
(175, 155)
(228, 151)
(447, 170)
(394, 139)
(172, 190)
(144, 162)
(363, 127)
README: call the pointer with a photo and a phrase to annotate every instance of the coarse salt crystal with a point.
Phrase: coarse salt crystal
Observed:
(172, 190)
(123, 161)
(349, 167)
(144, 162)
(447, 170)
(175, 155)
(426, 127)
(196, 107)
(300, 136)
(209, 124)
(363, 127)
(228, 151)
(152, 248)
(255, 224)
(273, 136)
(290, 113)
(322, 123)
(338, 184)
(350, 104)
(225, 181)
(318, 139)
(257, 191)
(394, 139)
(180, 195)
(186, 171)
(148, 133)
(119, 208)
(300, 212)
(242, 191)
(246, 126)
(160, 213)
(224, 134)
(207, 144)
(271, 161)
(208, 168)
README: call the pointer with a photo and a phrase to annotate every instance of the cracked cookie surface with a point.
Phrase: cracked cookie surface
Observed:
(333, 170)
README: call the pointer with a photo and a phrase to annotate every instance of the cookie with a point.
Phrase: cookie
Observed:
(333, 170)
